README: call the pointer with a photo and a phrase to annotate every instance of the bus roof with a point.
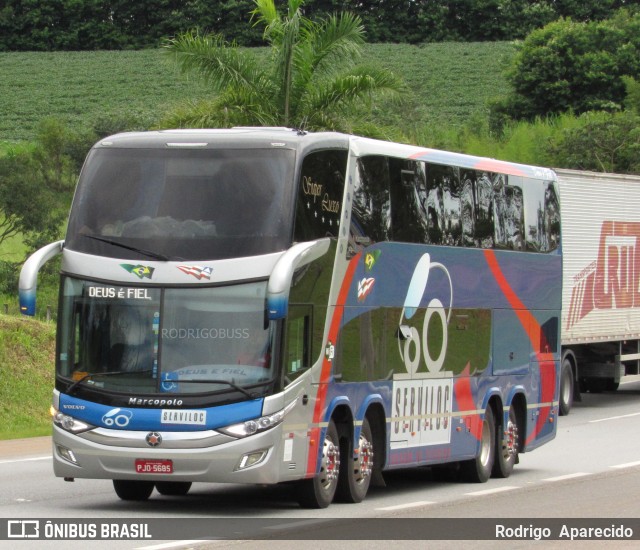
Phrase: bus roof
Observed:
(366, 146)
(250, 137)
(244, 137)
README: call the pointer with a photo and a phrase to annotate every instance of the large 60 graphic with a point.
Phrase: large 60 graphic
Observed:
(413, 346)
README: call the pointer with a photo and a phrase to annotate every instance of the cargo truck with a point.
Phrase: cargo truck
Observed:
(600, 331)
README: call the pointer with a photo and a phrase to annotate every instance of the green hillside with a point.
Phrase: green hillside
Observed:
(449, 83)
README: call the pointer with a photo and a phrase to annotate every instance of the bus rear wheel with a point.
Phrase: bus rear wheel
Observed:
(507, 445)
(356, 470)
(318, 491)
(133, 490)
(478, 469)
(567, 387)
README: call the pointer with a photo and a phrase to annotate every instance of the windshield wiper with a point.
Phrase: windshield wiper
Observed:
(149, 253)
(108, 373)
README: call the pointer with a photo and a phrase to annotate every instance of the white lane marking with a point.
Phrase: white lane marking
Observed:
(567, 476)
(407, 505)
(614, 418)
(25, 459)
(298, 523)
(176, 544)
(627, 465)
(492, 491)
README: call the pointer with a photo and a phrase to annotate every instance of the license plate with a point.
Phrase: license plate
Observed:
(154, 466)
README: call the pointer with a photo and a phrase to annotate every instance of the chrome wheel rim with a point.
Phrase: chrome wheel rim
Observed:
(364, 460)
(330, 463)
(485, 450)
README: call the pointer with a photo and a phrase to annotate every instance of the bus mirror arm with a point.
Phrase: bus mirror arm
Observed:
(280, 280)
(29, 276)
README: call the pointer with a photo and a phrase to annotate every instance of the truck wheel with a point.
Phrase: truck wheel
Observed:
(478, 469)
(356, 470)
(566, 387)
(133, 490)
(318, 492)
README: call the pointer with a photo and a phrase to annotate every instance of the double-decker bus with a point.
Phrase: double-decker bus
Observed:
(264, 305)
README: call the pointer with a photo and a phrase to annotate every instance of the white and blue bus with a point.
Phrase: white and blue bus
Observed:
(264, 305)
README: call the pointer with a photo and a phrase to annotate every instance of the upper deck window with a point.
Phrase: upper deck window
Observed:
(419, 202)
(320, 192)
(183, 204)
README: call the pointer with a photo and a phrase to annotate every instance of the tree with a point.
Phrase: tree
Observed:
(310, 79)
(574, 66)
(36, 186)
(632, 102)
(602, 142)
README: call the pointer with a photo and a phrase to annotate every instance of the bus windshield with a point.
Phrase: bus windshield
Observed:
(177, 204)
(175, 340)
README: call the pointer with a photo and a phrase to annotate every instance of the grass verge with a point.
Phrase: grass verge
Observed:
(27, 351)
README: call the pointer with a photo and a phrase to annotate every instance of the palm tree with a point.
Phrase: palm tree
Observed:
(310, 80)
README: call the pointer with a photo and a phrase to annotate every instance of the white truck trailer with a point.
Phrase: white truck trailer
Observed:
(601, 281)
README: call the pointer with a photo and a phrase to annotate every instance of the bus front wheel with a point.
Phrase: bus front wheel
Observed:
(318, 491)
(133, 490)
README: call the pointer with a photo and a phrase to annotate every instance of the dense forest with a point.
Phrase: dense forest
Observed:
(54, 25)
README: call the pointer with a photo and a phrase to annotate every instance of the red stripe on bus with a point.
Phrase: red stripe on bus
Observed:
(464, 399)
(536, 337)
(325, 374)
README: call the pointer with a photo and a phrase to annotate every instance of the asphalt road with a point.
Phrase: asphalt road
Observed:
(591, 470)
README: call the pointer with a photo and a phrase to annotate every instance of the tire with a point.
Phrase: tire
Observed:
(356, 470)
(507, 445)
(567, 387)
(318, 491)
(173, 488)
(133, 490)
(478, 469)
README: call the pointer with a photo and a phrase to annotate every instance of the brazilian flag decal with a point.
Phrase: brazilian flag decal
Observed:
(371, 258)
(141, 271)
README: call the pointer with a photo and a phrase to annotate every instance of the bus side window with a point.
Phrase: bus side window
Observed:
(371, 217)
(444, 207)
(551, 217)
(297, 341)
(320, 191)
(408, 201)
(367, 347)
(509, 212)
(476, 209)
(484, 230)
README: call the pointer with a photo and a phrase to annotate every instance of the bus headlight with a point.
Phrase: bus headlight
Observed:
(68, 423)
(257, 425)
(250, 427)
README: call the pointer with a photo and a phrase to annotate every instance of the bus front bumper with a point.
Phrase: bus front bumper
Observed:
(171, 456)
